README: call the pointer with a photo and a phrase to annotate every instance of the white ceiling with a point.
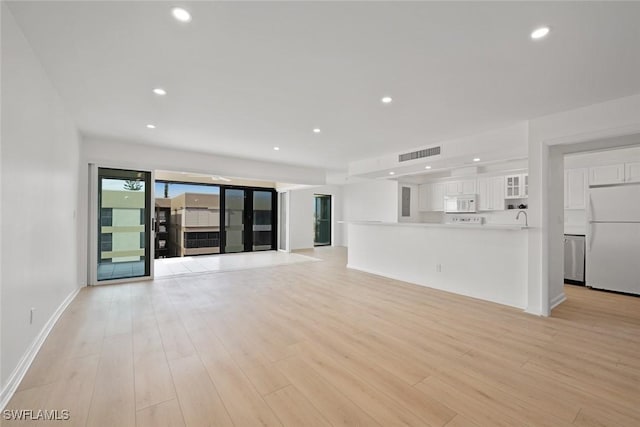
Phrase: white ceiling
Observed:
(244, 77)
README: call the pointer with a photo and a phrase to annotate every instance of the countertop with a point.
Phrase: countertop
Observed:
(509, 227)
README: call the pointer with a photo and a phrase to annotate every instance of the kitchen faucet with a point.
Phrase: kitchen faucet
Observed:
(526, 218)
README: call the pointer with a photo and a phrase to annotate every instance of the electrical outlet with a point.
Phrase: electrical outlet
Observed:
(439, 268)
(31, 315)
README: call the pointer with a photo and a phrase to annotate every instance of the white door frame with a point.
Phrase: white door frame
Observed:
(283, 208)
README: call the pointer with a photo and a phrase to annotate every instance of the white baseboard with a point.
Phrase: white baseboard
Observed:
(19, 372)
(557, 301)
(377, 273)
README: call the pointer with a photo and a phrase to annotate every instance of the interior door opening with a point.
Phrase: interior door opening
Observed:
(322, 223)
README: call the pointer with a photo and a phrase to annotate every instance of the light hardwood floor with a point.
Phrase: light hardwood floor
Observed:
(315, 344)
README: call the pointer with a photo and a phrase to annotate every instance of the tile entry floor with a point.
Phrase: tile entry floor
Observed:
(166, 267)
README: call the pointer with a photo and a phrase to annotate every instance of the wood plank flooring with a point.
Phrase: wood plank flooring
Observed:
(315, 344)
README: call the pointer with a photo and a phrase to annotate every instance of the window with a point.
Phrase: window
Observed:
(202, 239)
(106, 242)
(106, 217)
(261, 217)
(262, 238)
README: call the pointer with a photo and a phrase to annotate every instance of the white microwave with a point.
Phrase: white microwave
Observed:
(460, 204)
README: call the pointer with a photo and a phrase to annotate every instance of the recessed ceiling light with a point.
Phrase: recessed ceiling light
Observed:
(276, 148)
(180, 14)
(539, 33)
(427, 167)
(386, 100)
(151, 126)
(392, 173)
(159, 91)
(316, 130)
(477, 159)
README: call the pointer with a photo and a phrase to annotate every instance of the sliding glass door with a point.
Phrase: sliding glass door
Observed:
(249, 219)
(263, 214)
(124, 229)
(235, 220)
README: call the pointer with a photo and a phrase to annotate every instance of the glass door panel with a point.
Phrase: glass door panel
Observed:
(124, 199)
(262, 220)
(322, 220)
(234, 223)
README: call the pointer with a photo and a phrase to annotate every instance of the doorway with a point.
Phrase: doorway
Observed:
(322, 220)
(554, 203)
(249, 220)
(123, 225)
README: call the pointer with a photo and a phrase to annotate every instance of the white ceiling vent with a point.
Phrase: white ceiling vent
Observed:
(427, 152)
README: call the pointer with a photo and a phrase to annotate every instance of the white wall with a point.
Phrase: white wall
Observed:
(301, 214)
(373, 200)
(370, 200)
(603, 125)
(40, 160)
(130, 154)
(495, 145)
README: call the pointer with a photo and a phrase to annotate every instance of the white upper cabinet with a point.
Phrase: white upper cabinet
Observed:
(632, 172)
(491, 193)
(437, 197)
(485, 194)
(457, 188)
(497, 185)
(610, 174)
(453, 188)
(431, 197)
(423, 197)
(516, 186)
(469, 187)
(575, 188)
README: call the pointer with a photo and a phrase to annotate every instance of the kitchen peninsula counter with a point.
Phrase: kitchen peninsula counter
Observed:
(487, 261)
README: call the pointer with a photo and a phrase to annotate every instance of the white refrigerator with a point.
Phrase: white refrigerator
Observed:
(613, 238)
